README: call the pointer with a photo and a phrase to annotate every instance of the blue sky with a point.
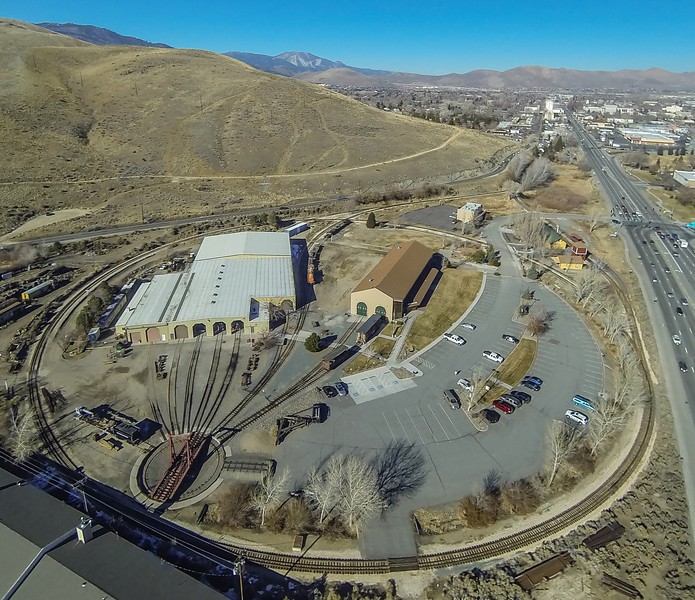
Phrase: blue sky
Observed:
(423, 37)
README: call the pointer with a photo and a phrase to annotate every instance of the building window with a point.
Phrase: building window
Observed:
(362, 309)
(380, 310)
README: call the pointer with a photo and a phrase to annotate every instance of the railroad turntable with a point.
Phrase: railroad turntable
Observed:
(181, 468)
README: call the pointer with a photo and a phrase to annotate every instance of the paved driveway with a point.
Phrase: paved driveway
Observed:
(456, 456)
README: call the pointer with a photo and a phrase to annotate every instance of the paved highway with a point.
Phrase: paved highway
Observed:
(666, 276)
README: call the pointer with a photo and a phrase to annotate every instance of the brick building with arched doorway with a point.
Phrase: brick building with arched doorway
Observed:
(236, 282)
(397, 284)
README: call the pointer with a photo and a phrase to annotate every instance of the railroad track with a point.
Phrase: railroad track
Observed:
(306, 381)
(172, 407)
(206, 422)
(190, 386)
(209, 384)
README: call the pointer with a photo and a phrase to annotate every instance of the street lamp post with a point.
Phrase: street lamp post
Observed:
(238, 566)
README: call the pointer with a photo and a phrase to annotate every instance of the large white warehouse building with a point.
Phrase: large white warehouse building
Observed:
(235, 282)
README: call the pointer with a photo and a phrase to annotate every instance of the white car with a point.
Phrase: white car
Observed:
(577, 417)
(457, 339)
(465, 384)
(677, 340)
(468, 326)
(498, 358)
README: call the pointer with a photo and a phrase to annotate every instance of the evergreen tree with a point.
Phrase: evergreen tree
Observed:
(371, 221)
(313, 343)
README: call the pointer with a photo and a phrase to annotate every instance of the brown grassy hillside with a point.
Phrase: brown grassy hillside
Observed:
(79, 121)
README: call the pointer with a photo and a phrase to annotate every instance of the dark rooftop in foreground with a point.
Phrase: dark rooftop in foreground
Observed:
(106, 567)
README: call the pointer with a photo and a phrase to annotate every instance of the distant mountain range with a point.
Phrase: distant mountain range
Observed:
(309, 67)
(98, 35)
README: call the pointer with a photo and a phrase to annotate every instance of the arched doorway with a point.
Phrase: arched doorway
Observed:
(199, 329)
(152, 334)
(180, 332)
(218, 327)
(287, 306)
(237, 326)
(136, 337)
(380, 310)
(362, 309)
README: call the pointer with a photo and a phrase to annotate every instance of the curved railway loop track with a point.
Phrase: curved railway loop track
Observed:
(205, 417)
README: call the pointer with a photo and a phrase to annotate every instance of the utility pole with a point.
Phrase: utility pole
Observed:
(238, 567)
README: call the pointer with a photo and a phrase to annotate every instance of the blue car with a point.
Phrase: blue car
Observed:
(534, 379)
(584, 402)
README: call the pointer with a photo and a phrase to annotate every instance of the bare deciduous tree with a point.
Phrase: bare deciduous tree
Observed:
(595, 218)
(614, 322)
(479, 381)
(360, 498)
(518, 164)
(323, 489)
(562, 441)
(588, 284)
(23, 441)
(540, 172)
(530, 229)
(539, 322)
(268, 492)
(607, 417)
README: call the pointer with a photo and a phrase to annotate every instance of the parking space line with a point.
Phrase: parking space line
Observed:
(440, 425)
(417, 430)
(389, 426)
(403, 428)
(434, 437)
(450, 421)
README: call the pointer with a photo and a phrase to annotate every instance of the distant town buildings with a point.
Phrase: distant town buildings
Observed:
(686, 178)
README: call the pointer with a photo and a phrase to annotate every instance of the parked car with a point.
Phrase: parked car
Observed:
(533, 378)
(510, 338)
(677, 340)
(584, 402)
(465, 384)
(491, 416)
(513, 400)
(493, 356)
(577, 417)
(531, 385)
(468, 326)
(523, 396)
(330, 391)
(342, 388)
(457, 339)
(453, 400)
(505, 407)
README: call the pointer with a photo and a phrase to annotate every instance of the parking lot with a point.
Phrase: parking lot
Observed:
(457, 456)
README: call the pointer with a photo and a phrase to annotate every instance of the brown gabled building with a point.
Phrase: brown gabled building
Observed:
(398, 283)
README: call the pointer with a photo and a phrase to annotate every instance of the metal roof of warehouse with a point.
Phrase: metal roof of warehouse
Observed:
(228, 272)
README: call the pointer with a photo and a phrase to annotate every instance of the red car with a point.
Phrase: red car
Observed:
(505, 407)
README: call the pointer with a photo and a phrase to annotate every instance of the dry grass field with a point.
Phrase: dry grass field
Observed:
(518, 363)
(453, 295)
(186, 131)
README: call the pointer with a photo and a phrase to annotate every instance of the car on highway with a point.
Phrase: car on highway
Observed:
(493, 356)
(679, 310)
(579, 418)
(523, 396)
(655, 280)
(505, 407)
(510, 338)
(667, 270)
(676, 255)
(684, 302)
(468, 326)
(491, 416)
(677, 339)
(682, 366)
(457, 339)
(465, 384)
(616, 222)
(342, 388)
(583, 402)
(656, 252)
(330, 391)
(670, 294)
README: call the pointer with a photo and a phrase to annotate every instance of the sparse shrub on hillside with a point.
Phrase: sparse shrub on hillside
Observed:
(371, 221)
